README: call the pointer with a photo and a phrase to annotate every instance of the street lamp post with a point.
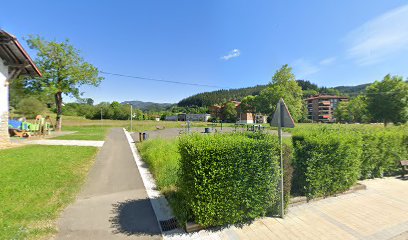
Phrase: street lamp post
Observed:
(131, 118)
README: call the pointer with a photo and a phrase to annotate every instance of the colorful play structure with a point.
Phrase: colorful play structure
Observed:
(21, 128)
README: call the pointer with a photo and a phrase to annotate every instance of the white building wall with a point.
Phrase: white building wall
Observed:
(4, 103)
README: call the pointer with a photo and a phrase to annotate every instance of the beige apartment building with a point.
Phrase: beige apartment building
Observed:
(321, 107)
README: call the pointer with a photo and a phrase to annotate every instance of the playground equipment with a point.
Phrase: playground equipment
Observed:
(21, 128)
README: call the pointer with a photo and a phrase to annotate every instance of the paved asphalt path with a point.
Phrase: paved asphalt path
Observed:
(113, 203)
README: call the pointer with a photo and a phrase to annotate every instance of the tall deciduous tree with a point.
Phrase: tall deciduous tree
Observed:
(284, 86)
(342, 112)
(229, 112)
(64, 71)
(353, 111)
(248, 105)
(387, 101)
(358, 110)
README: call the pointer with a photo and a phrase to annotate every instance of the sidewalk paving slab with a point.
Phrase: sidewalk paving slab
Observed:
(378, 213)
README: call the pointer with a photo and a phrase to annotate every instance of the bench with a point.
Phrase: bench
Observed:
(404, 166)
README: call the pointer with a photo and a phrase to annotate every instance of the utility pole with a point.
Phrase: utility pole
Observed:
(101, 114)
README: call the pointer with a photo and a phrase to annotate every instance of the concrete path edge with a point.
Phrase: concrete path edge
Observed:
(158, 201)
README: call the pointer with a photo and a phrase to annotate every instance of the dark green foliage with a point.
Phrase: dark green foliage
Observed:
(228, 178)
(287, 173)
(382, 151)
(149, 106)
(326, 162)
(207, 99)
(307, 85)
(30, 107)
(329, 159)
(229, 112)
(387, 101)
(352, 90)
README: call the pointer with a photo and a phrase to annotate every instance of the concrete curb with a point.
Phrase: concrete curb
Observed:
(159, 203)
(83, 143)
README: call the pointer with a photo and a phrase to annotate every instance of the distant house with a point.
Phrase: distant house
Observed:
(246, 118)
(14, 62)
(321, 107)
(171, 118)
(189, 117)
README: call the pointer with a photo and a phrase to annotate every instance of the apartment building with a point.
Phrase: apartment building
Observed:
(321, 107)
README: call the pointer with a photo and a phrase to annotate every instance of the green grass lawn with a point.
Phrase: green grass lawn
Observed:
(163, 157)
(85, 133)
(37, 183)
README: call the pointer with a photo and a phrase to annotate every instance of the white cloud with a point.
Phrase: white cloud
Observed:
(303, 68)
(232, 54)
(327, 61)
(380, 37)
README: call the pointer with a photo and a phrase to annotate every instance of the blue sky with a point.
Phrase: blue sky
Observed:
(227, 43)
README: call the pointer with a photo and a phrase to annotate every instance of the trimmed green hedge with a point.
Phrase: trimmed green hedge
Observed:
(330, 159)
(228, 178)
(382, 151)
(325, 163)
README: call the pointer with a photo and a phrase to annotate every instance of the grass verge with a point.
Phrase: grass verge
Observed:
(163, 159)
(97, 133)
(37, 183)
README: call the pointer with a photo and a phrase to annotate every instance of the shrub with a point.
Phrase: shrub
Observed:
(30, 107)
(382, 151)
(326, 162)
(287, 173)
(228, 178)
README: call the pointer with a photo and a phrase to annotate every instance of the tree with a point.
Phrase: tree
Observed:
(229, 112)
(64, 71)
(342, 112)
(30, 107)
(248, 105)
(358, 110)
(89, 101)
(387, 101)
(329, 91)
(307, 85)
(284, 86)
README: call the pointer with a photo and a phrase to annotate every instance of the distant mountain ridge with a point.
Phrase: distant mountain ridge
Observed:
(148, 106)
(206, 99)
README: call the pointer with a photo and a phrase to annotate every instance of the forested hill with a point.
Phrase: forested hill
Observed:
(148, 106)
(220, 96)
(353, 89)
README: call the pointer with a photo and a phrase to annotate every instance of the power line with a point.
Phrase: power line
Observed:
(160, 80)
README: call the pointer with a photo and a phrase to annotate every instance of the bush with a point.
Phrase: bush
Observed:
(325, 162)
(30, 107)
(287, 173)
(228, 178)
(382, 151)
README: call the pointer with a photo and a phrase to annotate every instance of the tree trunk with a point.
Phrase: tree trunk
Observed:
(385, 123)
(58, 103)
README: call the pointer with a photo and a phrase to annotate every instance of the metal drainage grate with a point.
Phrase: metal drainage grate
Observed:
(169, 224)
